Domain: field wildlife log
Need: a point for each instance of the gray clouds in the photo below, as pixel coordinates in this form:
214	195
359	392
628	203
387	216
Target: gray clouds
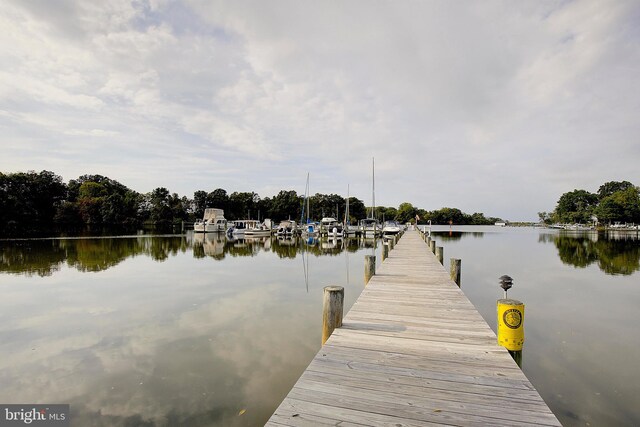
497	107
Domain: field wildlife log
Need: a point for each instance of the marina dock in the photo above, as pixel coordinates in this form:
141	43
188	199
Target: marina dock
413	351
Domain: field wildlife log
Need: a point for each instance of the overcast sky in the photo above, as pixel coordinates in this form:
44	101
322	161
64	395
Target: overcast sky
494	107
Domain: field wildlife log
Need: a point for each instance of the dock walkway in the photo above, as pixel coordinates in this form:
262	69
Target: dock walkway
413	351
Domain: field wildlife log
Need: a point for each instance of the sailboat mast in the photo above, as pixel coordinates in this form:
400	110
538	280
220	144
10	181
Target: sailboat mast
307	195
305	202
373	189
346	211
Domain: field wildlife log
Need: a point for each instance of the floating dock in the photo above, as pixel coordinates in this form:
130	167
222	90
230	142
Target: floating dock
413	351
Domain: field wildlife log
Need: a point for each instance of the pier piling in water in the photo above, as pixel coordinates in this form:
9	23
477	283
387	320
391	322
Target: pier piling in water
440	254
332	308
369	267
456	266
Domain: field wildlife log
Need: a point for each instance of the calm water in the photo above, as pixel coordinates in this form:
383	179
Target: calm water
202	331
582	312
165	330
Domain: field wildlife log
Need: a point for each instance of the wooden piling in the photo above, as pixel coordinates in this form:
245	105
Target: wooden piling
385	251
433	246
369	267
440	254
392	244
456	265
332	307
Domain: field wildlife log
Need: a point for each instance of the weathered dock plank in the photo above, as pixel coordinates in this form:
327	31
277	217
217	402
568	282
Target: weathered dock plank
413	351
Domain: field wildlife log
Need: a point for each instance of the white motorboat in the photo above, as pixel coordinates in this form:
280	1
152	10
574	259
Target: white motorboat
213	221
370	227
390	228
262	229
331	227
286	228
240	226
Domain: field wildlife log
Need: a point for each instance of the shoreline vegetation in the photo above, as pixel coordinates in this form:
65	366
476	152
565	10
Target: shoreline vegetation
615	203
41	204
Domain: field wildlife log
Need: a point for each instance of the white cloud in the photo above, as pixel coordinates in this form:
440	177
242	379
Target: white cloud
454	100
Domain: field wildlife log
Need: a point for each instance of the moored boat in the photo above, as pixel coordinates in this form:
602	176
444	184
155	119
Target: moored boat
213	221
286	228
331	227
262	229
240	226
390	228
370	227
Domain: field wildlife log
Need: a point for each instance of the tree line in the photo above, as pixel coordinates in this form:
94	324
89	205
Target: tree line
615	201
36	202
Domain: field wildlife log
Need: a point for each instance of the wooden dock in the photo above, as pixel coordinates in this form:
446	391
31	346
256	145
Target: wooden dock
413	351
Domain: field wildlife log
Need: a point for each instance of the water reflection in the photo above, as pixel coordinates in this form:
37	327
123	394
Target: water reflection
45	257
158	331
452	236
614	253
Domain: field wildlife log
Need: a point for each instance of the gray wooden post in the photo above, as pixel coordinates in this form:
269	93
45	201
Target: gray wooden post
440	254
332	304
456	265
369	267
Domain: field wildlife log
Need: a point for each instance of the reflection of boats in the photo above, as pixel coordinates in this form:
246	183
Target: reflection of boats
213	221
212	244
286	228
310	240
259	229
287	240
390	228
332	227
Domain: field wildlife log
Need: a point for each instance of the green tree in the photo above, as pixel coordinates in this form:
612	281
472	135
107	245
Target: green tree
387	213
448	215
406	213
28	201
545	217
608	188
99	200
576	206
219	199
199	203
160	209
326	205
242	204
285	205
357	210
622	206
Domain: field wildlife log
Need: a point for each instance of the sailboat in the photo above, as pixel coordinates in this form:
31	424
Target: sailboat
309	229
370	227
349	230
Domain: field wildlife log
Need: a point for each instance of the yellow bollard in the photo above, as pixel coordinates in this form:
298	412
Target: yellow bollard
510	324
